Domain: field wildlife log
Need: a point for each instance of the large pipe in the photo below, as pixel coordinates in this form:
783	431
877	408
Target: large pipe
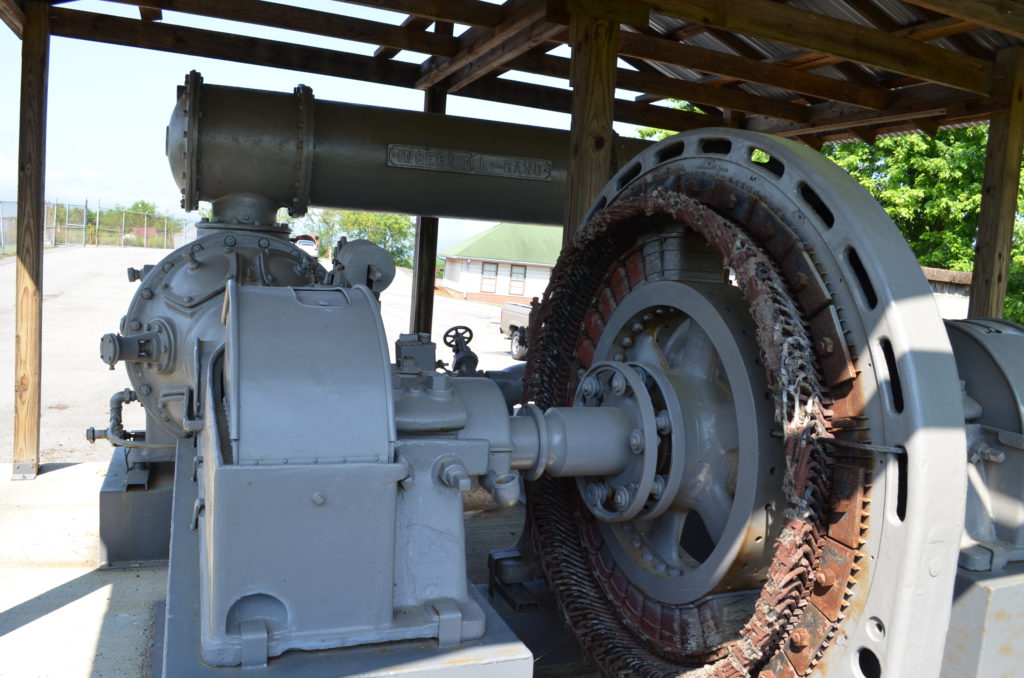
250	152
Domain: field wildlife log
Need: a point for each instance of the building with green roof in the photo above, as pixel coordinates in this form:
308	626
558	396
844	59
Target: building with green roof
509	262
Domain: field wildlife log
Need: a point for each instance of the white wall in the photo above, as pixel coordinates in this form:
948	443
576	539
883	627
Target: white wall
462	279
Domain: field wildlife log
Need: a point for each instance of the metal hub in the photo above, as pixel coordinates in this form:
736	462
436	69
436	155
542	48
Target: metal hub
705	523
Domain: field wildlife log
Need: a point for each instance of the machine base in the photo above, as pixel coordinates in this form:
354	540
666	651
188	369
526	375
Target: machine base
135	513
499	654
984	629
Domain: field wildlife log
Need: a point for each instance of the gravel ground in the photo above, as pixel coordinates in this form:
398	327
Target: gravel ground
85	293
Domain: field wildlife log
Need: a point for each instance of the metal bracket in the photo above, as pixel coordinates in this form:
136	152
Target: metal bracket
449	622
254	643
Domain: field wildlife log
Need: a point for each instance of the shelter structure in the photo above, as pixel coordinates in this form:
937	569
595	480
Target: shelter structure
813	70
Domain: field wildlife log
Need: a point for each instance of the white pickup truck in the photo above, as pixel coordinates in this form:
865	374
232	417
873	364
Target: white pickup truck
515	319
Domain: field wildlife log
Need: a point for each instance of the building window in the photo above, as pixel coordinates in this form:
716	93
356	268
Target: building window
489	277
517	281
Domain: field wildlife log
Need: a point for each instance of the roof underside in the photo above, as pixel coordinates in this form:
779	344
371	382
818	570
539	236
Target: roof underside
816	70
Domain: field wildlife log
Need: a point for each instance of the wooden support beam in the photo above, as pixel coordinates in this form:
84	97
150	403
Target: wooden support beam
999	191
674	88
276	15
537	33
828	35
13	14
517	15
748	70
149	13
939	28
928	126
411	23
811	141
555	99
469	12
1005	16
594	48
28	342
72	23
865	134
421	314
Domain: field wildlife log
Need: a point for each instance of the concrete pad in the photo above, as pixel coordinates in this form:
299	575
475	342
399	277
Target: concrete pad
60	616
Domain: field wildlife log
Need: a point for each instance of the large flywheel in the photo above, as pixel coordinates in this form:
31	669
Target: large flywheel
795	502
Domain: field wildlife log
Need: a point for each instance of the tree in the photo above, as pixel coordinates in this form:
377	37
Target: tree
931	187
394	232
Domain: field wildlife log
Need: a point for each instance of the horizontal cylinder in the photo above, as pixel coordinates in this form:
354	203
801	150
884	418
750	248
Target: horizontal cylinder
250	151
572	441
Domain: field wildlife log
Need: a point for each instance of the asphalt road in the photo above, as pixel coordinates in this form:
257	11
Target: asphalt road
85	293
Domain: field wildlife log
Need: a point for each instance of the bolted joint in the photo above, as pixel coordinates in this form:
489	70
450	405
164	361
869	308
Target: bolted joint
452	473
799	639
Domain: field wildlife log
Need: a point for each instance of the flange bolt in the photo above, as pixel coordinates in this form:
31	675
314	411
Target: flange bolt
621	498
636	441
824	580
596	492
618	384
663	422
591	388
799	639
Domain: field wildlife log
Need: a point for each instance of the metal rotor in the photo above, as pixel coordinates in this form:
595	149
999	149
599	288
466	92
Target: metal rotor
782	332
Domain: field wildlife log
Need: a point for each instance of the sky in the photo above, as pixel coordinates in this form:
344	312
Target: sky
108	107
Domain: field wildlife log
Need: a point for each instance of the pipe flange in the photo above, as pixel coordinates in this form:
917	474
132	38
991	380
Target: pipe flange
190	193
304	166
622	497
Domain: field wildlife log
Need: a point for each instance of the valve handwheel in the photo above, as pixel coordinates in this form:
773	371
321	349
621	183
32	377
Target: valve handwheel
452	336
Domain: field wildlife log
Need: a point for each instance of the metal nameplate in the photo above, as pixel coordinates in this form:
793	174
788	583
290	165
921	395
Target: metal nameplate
466	162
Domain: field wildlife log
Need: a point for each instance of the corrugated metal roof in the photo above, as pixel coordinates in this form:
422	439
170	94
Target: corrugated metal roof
512	242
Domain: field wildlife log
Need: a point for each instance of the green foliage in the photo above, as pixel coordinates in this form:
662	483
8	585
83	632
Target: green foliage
931	187
394	232
656	134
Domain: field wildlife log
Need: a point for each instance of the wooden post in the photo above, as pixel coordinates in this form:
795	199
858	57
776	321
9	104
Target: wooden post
594	47
28	343
999	191
425	253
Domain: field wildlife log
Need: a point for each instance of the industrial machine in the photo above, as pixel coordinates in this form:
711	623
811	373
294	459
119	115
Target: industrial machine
746	440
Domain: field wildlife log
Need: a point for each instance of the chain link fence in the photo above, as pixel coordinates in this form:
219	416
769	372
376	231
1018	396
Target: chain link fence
69	224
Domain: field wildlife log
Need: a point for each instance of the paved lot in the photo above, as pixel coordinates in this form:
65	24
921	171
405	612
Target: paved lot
85	293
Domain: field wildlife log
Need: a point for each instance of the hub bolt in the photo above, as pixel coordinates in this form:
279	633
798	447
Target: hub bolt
618	384
663	422
626	342
621	498
658	488
637	328
591	388
799	639
596	492
636	441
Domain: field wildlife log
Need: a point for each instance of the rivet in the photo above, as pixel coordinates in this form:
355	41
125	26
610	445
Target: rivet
824	346
145	389
264	242
824	580
167	266
637	327
146	293
319	499
135	325
626	342
230	241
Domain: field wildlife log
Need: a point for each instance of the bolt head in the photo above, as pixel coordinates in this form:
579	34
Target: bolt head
824	579
636	441
663	422
318	498
799	639
618	384
626	342
147	293
621	498
591	387
595	493
637	327
824	346
658	488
